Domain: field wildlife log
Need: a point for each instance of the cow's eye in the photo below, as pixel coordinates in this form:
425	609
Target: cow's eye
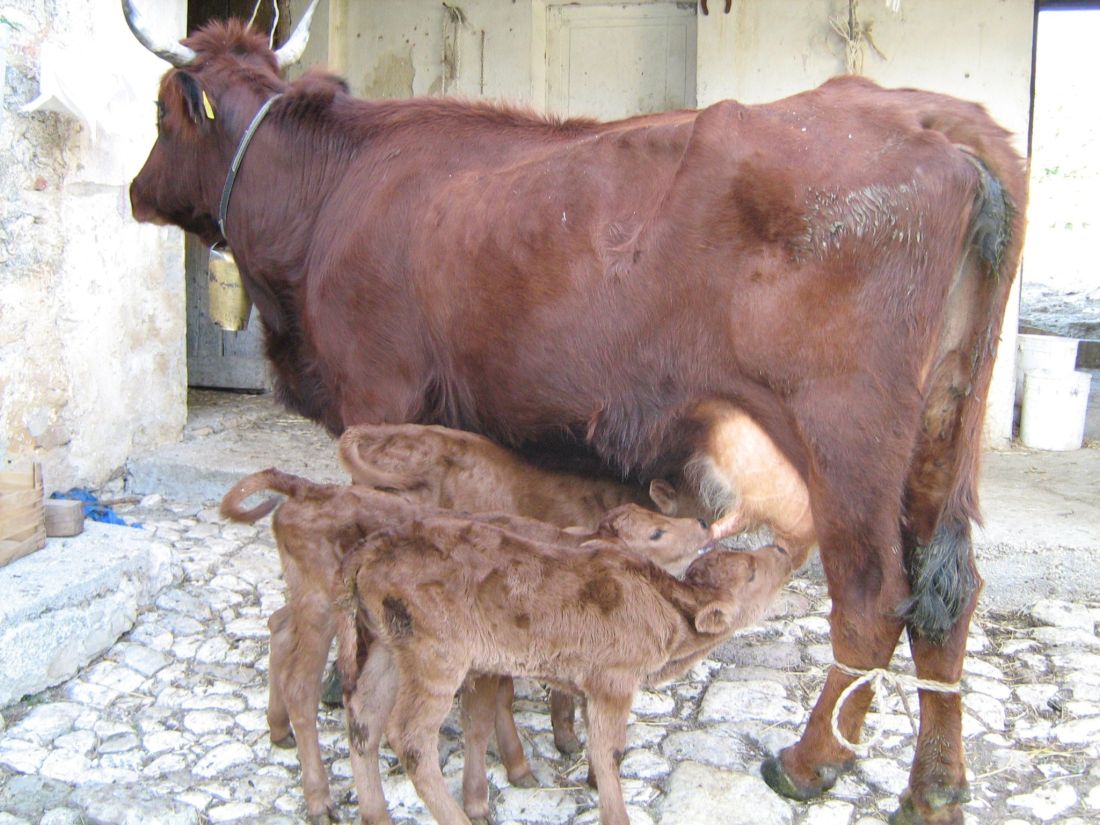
160	112
656	534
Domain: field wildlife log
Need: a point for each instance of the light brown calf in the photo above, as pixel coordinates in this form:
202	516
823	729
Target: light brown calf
316	526
459	470
445	598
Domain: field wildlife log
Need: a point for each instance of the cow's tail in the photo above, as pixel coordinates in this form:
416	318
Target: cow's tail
941	490
364	473
232	506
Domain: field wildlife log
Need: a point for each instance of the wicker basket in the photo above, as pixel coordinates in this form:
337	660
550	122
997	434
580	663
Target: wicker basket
22	513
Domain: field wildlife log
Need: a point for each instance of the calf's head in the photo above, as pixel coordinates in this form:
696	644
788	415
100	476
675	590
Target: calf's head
736	587
672	543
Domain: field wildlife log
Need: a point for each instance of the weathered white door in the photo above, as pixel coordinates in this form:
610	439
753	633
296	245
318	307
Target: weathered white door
615	60
216	358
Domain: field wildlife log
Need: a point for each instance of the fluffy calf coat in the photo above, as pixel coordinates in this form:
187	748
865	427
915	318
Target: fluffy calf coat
314	529
444	597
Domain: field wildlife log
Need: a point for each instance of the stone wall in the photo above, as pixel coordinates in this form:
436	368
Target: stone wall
91	303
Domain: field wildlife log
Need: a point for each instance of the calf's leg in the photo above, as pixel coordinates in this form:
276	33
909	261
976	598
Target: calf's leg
413	732
313	630
478	702
562	713
282	644
607	715
508	741
368	701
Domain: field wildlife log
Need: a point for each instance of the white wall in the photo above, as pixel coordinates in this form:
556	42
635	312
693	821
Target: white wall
91	303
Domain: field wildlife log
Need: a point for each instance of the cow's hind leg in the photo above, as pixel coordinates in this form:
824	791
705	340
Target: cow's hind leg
858	526
937	780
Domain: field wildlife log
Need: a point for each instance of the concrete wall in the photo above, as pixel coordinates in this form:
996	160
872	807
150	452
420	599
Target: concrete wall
91	303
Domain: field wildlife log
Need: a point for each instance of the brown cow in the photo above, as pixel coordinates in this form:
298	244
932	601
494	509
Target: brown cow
441	598
834	265
316	526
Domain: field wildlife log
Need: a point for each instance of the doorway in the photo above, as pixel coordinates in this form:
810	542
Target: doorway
217	359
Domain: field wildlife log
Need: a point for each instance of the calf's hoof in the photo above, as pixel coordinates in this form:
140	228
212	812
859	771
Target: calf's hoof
330	814
285	742
480	820
939	806
780	781
568	744
524	780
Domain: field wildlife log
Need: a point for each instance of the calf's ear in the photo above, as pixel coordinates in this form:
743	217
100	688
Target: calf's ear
715	618
663	495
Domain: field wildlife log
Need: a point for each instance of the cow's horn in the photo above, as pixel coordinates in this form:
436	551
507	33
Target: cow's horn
175	53
291	51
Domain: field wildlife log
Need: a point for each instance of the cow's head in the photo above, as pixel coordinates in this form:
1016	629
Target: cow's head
221	76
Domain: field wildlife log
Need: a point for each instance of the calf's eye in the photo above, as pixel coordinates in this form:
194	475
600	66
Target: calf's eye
656	534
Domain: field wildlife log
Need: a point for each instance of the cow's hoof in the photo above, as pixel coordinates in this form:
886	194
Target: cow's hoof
330	814
941	807
568	744
286	743
785	785
332	692
524	780
480	820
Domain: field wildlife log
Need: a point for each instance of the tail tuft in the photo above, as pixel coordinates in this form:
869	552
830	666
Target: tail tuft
942	582
991	225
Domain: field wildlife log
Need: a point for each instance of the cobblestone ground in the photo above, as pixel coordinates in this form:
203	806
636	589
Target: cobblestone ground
169	727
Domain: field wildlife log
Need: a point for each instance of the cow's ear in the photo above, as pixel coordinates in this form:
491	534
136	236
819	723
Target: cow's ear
192	100
663	495
714	618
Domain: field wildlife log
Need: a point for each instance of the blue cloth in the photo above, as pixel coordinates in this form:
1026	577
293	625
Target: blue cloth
92	508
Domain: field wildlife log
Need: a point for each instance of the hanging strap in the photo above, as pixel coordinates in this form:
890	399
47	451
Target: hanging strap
246	138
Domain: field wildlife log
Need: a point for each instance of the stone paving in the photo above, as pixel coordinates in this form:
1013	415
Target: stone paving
169	726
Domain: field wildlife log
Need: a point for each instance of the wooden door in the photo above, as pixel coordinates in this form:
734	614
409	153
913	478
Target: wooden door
615	60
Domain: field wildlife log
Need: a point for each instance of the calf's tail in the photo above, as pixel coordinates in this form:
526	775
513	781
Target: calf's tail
232	506
364	473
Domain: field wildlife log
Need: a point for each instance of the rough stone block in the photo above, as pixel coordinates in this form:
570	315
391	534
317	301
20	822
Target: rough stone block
69	602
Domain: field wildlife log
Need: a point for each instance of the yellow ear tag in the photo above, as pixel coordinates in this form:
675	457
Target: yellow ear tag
206	105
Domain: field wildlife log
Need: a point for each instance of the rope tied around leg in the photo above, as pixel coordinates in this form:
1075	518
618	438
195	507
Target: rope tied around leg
876	679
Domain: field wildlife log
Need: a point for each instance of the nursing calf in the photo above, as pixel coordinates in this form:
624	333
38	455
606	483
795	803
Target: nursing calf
442	599
318	524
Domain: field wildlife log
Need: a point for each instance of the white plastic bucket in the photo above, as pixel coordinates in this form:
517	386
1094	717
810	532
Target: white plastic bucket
1043	352
1053	412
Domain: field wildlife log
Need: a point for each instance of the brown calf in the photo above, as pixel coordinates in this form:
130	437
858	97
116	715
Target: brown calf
442	598
459	470
316	526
